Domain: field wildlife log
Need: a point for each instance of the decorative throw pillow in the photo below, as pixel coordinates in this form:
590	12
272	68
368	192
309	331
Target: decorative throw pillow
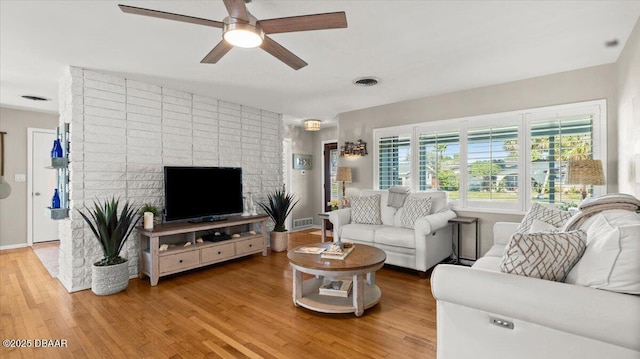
610	261
415	208
366	209
548	214
540	226
543	255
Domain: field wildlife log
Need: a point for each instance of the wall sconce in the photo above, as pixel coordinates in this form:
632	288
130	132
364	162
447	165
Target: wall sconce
312	125
354	149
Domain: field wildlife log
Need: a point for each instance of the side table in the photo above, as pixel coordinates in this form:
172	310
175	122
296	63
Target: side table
324	216
466	220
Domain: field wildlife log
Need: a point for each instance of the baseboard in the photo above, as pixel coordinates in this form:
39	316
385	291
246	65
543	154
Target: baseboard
13	246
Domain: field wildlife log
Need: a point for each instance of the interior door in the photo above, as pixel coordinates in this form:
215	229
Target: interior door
43	181
330	169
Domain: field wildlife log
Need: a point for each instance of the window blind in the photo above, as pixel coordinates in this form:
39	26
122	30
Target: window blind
439	164
492	163
394	161
555	142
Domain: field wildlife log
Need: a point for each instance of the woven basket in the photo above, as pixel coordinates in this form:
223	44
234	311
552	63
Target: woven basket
279	241
106	280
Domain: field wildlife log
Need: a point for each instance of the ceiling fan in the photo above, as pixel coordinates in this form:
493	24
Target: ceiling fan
242	29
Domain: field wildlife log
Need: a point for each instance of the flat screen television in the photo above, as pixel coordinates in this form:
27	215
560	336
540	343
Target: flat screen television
202	193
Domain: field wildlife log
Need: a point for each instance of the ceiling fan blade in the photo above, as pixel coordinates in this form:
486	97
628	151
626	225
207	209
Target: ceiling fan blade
237	9
169	16
332	20
282	54
216	54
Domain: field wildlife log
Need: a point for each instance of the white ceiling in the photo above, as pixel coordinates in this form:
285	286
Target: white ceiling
417	48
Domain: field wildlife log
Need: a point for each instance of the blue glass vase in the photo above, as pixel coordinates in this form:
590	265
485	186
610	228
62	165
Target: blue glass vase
56	151
55	201
58	148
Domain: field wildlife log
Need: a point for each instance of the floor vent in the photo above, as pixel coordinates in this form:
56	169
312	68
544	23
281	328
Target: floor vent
302	222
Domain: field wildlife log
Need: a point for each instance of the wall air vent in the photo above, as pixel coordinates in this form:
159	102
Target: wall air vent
302	222
366	81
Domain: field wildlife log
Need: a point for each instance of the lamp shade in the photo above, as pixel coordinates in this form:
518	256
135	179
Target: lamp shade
344	174
312	125
585	172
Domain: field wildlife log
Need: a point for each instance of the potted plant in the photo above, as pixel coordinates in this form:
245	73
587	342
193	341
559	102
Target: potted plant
147	207
110	275
279	207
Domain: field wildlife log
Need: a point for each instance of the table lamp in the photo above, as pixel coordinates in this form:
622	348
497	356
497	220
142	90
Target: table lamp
344	175
586	173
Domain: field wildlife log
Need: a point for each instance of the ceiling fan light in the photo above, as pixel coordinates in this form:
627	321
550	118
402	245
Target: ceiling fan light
243	35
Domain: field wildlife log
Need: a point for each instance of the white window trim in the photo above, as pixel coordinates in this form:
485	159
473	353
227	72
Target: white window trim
523	119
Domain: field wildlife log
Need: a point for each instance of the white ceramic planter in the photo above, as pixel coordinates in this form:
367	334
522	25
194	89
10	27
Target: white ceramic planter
106	280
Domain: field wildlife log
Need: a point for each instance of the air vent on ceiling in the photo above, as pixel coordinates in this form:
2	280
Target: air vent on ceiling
366	81
611	43
34	98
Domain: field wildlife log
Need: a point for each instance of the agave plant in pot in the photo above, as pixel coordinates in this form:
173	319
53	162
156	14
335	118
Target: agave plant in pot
279	208
110	274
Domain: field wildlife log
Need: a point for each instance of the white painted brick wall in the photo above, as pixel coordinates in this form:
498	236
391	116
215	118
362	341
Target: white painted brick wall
122	134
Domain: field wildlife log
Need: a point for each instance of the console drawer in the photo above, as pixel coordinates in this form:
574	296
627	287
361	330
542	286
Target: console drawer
177	262
214	254
249	245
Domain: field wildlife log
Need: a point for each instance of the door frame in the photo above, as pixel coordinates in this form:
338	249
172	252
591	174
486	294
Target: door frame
30	164
324	156
287	165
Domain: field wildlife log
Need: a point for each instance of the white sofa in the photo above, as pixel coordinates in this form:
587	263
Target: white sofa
550	319
420	248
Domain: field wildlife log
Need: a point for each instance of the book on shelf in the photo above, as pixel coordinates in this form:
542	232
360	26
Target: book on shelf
337	287
310	250
330	254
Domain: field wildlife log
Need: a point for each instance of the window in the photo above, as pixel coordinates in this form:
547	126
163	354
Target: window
555	142
440	162
492	164
498	162
394	161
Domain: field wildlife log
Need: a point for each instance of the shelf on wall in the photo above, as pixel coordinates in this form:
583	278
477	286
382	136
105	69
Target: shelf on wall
57	213
58	162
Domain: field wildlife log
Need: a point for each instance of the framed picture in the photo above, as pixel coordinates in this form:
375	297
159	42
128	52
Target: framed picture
301	162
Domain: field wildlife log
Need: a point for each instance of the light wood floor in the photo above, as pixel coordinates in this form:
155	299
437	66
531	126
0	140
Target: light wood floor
240	309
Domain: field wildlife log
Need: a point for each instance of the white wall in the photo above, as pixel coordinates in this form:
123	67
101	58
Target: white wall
629	114
13	209
122	134
574	86
302	181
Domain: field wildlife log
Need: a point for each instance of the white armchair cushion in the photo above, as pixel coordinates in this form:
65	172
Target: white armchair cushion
366	209
543	255
415	208
610	261
548	214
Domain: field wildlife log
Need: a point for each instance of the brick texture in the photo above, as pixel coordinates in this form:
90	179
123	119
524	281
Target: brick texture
122	133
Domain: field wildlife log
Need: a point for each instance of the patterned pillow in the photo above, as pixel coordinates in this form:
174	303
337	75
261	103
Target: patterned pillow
415	208
543	255
551	215
366	209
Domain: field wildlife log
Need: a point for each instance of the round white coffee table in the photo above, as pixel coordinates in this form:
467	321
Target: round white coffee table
363	262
